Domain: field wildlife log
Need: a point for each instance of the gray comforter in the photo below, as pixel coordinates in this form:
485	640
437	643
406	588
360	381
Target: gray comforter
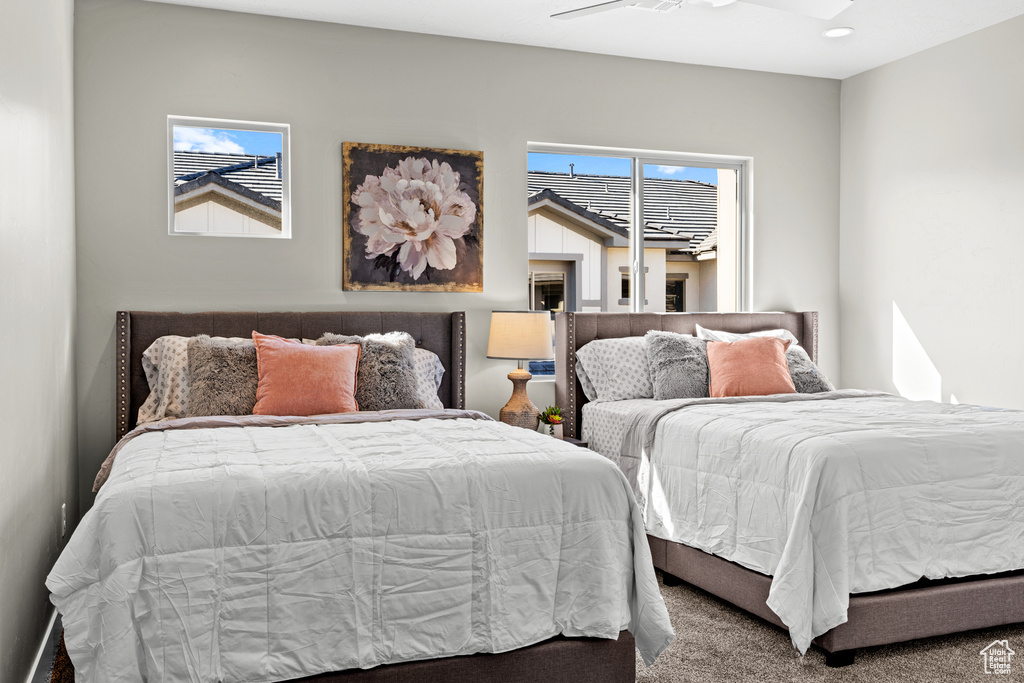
265	549
832	494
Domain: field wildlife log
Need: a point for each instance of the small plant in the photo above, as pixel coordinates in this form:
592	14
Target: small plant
552	415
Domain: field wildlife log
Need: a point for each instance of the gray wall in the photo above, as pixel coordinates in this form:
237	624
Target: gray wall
137	62
933	218
38	466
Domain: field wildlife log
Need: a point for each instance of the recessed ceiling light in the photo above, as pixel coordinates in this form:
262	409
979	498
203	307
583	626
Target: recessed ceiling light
838	32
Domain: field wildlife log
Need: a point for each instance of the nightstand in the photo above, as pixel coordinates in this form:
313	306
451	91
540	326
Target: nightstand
575	442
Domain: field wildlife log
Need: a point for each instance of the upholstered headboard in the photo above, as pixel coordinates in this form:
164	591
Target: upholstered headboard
573	330
442	333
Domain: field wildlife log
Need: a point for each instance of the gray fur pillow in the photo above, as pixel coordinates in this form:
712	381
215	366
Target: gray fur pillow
807	378
679	365
222	376
387	374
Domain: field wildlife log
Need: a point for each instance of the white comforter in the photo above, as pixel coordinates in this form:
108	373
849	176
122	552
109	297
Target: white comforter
255	553
833	494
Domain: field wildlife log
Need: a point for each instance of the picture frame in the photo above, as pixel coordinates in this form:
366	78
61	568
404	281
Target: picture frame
228	178
412	218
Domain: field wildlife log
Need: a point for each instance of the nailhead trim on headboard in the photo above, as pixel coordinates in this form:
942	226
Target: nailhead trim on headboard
122	373
571	371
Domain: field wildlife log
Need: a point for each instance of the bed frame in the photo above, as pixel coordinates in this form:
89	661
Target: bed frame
559	659
919	610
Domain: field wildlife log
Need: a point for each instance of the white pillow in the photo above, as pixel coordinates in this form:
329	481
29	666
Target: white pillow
617	368
429	372
717	335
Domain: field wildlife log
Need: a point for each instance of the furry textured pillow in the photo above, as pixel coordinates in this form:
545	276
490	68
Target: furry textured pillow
679	365
387	378
807	377
222	376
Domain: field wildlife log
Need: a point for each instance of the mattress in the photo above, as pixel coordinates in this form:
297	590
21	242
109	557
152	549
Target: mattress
832	494
268	549
605	423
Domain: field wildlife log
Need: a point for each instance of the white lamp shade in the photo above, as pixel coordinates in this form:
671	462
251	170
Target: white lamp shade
520	335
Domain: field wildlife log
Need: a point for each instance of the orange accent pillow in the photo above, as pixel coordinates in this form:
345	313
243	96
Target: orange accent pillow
300	379
749	367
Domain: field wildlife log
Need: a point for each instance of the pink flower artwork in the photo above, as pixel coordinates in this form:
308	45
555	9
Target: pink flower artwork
414	221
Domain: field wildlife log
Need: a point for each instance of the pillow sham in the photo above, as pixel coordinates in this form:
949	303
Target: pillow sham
429	371
589	390
300	379
386	377
617	368
749	367
718	335
222	376
807	377
165	363
678	365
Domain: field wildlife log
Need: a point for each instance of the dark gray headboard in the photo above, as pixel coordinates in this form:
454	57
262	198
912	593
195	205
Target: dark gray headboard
442	333
573	330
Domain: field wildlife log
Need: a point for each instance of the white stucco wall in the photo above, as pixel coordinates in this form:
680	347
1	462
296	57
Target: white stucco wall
38	465
932	218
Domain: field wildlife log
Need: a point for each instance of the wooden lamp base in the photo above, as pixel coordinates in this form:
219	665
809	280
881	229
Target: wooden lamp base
520	411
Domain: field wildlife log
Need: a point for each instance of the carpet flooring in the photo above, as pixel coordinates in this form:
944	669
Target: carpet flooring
718	642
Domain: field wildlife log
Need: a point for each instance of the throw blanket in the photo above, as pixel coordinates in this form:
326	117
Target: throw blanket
835	493
258	553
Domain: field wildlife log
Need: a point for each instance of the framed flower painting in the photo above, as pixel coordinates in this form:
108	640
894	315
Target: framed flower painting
413	218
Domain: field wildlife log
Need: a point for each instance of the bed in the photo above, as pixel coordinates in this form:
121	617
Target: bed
910	607
213	553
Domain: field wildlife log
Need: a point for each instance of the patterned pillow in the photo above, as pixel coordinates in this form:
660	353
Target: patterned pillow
617	367
429	372
386	377
679	365
589	390
717	335
222	376
807	377
165	363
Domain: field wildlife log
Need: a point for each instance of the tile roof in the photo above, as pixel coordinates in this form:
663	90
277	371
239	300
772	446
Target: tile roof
258	174
673	209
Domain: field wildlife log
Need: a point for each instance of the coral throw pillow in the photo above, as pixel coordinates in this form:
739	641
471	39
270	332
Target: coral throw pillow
299	379
750	367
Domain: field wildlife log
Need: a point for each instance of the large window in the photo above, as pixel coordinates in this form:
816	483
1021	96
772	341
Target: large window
609	215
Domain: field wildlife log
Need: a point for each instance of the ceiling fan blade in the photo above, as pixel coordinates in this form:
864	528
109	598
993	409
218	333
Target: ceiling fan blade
819	9
593	9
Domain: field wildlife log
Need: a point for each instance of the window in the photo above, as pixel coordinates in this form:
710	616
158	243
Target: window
547	291
228	178
675	293
584	204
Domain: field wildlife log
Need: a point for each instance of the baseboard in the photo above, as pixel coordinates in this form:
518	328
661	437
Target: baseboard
47	649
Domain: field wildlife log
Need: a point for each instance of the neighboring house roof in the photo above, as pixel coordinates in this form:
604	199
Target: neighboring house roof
710	243
257	173
211	187
673	209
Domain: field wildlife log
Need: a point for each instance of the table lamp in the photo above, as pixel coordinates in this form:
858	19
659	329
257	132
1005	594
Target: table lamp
520	336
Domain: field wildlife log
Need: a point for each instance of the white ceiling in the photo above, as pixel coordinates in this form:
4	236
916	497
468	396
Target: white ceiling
740	35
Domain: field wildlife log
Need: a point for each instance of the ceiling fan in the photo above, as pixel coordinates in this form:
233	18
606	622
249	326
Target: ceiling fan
819	9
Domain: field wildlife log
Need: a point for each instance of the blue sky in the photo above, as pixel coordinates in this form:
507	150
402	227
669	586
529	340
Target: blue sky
559	163
225	141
